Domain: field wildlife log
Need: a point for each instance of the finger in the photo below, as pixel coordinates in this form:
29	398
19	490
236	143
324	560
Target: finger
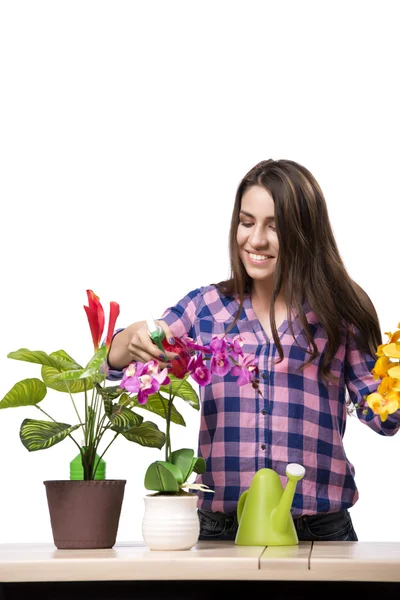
144	357
144	353
169	336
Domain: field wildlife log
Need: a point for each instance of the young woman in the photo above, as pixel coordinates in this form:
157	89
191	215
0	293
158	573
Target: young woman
314	332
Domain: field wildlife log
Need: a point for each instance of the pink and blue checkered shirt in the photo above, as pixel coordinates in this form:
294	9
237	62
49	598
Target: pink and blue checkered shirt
302	419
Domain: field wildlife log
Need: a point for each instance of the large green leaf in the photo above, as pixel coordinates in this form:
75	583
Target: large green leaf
91	369
39	435
183	460
163	477
182	389
65	359
124	419
157	405
36	356
50	375
27	392
146	434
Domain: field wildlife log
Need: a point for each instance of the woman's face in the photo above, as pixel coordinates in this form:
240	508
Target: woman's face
256	235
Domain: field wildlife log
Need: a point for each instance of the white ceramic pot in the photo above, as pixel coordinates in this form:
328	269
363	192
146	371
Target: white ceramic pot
170	522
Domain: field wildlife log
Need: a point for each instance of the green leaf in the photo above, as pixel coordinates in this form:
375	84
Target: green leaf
157	404
97	360
112	391
91	369
146	434
39	435
108	407
65	359
183	460
51	378
198	465
182	389
35	356
162	477
27	392
124	419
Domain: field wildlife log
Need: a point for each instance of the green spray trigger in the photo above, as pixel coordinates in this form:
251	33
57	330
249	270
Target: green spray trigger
156	333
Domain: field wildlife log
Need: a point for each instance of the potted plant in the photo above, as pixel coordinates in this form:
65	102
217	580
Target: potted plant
84	512
170	519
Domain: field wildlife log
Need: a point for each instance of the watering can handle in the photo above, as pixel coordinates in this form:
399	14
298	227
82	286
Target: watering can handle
241	504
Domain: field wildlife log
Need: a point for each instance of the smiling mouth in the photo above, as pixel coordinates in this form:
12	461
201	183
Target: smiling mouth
259	257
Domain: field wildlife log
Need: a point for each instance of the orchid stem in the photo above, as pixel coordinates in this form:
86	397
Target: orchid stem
168	417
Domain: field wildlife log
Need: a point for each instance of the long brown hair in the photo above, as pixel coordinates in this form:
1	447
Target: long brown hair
309	265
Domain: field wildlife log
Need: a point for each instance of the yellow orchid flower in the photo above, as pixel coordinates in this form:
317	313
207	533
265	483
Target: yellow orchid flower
382	406
381	367
394	372
386	385
379	351
392	350
396	385
392	395
393	338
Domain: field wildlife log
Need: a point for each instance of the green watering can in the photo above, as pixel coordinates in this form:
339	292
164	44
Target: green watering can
263	510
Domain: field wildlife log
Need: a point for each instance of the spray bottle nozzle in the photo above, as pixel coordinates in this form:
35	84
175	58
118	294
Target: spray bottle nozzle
156	333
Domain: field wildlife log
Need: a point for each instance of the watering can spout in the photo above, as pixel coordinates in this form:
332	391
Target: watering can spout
281	513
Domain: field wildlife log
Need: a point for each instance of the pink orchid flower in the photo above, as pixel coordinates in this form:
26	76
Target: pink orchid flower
193	346
198	370
246	369
235	347
144	379
220	360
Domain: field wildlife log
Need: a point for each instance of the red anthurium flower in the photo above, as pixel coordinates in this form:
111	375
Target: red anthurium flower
95	315
114	312
179	366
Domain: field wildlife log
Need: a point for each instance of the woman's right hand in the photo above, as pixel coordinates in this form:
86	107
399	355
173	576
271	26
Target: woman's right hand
134	344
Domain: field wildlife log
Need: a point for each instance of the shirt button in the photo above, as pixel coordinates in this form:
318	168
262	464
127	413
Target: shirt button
263	412
264	375
263	446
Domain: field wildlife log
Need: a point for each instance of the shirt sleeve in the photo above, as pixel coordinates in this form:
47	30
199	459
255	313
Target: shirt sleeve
181	317
360	382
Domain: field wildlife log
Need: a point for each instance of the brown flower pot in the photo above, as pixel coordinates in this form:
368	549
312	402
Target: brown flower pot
85	514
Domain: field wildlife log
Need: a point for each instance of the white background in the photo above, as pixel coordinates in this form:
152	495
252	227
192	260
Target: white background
125	130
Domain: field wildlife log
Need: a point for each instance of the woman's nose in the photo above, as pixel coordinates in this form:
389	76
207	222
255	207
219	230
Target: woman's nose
258	238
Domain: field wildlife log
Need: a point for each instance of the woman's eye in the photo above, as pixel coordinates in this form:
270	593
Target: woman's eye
272	227
246	224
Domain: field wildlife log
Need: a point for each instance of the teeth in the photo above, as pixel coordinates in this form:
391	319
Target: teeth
257	256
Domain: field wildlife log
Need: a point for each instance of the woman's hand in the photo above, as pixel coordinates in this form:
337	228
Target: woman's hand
134	344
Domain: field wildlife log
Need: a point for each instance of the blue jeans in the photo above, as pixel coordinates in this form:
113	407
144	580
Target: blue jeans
318	528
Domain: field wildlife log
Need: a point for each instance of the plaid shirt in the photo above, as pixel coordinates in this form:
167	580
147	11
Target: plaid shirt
302	419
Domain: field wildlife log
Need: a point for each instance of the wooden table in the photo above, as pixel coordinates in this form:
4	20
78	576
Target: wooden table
131	570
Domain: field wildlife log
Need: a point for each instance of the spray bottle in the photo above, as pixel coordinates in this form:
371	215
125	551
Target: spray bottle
157	335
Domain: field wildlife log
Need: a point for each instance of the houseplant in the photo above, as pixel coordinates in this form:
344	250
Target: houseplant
101	412
386	400
170	520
